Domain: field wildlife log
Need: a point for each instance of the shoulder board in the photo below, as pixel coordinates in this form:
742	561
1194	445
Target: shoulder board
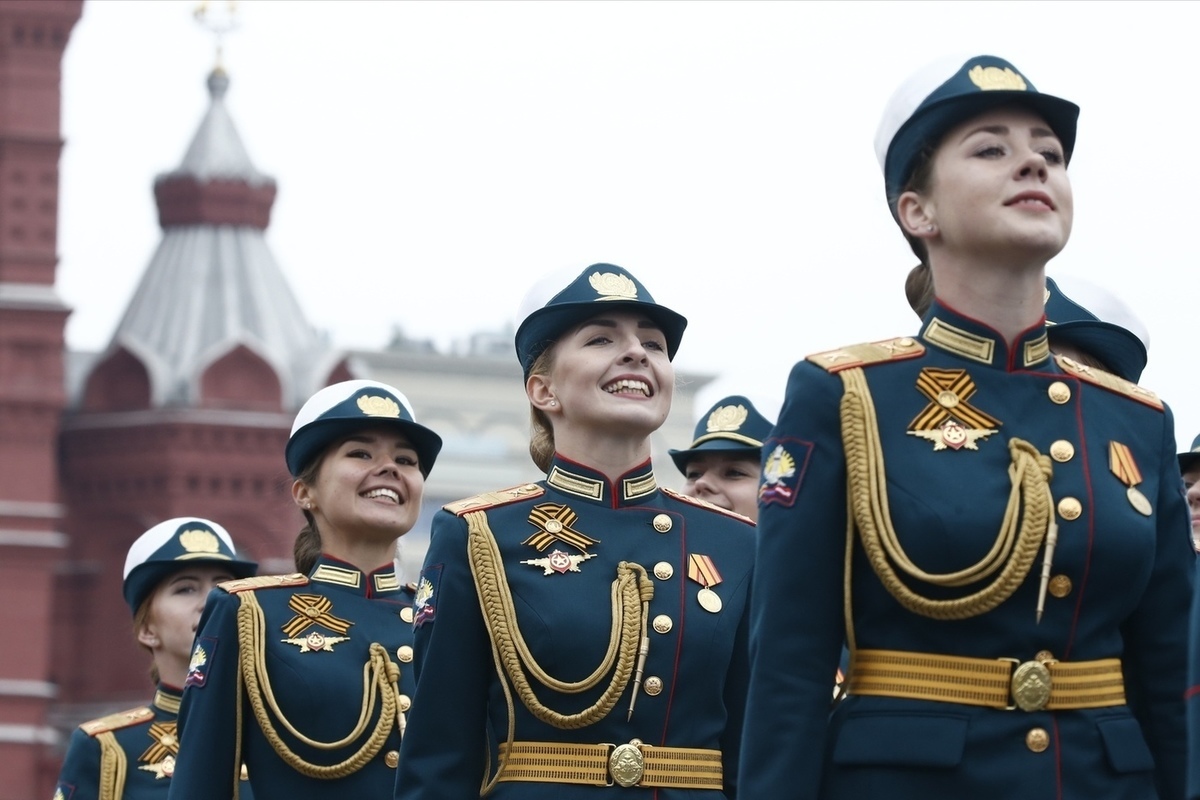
114	722
696	501
487	500
264	582
1109	381
864	355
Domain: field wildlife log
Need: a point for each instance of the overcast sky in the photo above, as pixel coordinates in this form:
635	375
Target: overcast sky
434	158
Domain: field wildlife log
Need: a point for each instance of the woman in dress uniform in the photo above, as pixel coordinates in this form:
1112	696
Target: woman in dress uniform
724	461
169	570
997	533
307	677
1189	469
583	636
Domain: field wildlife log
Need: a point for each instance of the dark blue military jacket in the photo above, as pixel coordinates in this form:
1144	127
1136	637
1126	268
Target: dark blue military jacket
1120	587
560	542
315	635
141	744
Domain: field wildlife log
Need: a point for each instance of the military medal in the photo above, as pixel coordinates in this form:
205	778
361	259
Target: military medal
554	524
1121	464
703	571
949	421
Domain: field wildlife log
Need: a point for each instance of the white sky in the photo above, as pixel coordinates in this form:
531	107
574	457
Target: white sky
434	158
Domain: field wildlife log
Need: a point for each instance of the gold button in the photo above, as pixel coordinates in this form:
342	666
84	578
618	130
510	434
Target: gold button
1037	740
906	342
1062	451
406	615
663	523
1060	586
1044	656
392	759
653	685
404	654
662	624
404	701
947	399
663	571
1059	392
1069	508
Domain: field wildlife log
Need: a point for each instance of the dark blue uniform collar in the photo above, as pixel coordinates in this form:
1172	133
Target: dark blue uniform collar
575	479
331	571
946	329
167	699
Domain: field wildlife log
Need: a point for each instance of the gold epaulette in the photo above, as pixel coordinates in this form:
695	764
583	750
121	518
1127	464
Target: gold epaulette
492	499
696	501
264	582
114	722
863	355
1109	381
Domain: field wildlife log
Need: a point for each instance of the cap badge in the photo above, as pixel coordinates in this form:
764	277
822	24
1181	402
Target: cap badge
375	406
949	421
992	78
611	286
198	540
1121	464
727	418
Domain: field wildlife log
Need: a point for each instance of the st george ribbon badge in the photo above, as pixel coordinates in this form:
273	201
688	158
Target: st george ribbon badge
949	421
703	571
1121	464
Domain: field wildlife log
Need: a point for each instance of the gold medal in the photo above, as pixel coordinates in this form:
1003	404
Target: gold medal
710	601
1139	501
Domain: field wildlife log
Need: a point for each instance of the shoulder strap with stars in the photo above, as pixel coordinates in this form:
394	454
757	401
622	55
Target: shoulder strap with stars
696	501
481	502
1109	381
114	722
264	582
864	355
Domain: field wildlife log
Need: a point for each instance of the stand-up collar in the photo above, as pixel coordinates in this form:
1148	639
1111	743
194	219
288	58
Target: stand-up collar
167	699
946	329
334	572
574	479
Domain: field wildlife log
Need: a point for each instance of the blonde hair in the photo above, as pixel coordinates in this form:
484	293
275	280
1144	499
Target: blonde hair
141	618
541	432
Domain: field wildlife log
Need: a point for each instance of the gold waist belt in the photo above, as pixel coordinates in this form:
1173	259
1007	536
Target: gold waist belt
632	764
995	683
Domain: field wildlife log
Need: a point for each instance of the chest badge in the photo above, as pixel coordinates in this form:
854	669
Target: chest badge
949	421
313	610
559	562
554	522
1121	464
316	641
159	757
703	571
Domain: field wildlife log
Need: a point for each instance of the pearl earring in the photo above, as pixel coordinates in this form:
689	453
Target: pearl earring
553	402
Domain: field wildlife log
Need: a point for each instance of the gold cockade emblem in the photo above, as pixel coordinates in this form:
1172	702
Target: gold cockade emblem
375	406
993	78
611	286
200	541
727	418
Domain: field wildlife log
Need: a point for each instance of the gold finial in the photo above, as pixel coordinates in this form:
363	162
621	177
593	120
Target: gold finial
218	23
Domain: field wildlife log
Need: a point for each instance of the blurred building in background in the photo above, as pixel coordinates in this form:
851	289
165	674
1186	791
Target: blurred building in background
186	411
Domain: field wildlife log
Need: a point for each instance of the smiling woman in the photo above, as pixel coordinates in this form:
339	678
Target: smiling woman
588	629
306	677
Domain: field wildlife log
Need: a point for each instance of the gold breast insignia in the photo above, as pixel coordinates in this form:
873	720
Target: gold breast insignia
948	420
559	562
316	641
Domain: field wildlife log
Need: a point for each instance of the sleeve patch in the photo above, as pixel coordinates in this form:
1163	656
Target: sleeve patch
206	647
783	470
425	601
64	791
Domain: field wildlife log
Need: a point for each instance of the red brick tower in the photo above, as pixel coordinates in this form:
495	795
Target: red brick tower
33	35
186	411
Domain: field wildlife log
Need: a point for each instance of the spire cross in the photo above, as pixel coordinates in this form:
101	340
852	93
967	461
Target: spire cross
218	22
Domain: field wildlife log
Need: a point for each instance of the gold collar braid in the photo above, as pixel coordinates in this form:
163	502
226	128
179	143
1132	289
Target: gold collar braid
380	678
1011	555
632	591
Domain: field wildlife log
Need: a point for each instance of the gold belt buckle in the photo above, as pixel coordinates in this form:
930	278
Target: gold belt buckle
1029	685
626	764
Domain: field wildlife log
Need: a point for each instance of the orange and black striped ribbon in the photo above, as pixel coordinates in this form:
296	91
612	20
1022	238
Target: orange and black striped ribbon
1121	463
931	383
313	609
166	743
703	571
560	518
